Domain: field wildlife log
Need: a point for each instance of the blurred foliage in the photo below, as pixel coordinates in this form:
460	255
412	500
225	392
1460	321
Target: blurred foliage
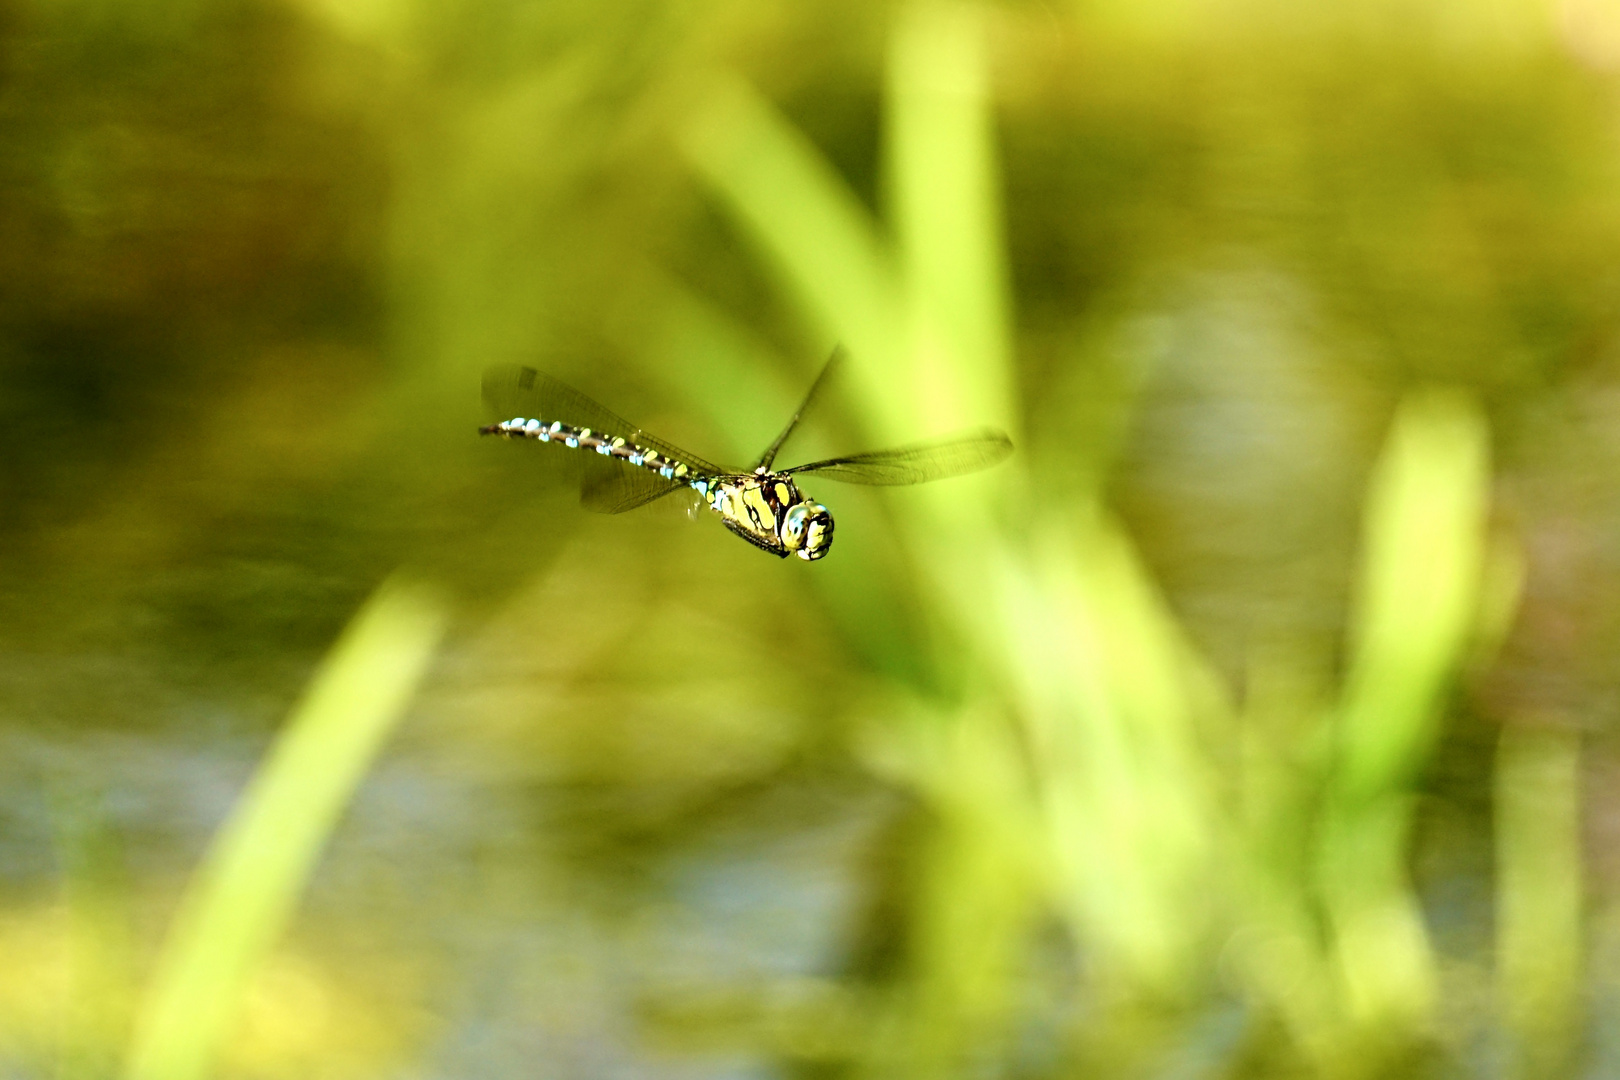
250	880
1252	721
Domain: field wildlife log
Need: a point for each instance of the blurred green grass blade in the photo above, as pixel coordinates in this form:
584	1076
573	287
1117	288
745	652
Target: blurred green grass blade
1420	586
1417	605
975	897
828	252
1108	684
946	210
1539	883
1386	964
810	225
246	888
954	372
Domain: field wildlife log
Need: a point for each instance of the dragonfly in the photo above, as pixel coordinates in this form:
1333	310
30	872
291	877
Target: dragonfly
763	505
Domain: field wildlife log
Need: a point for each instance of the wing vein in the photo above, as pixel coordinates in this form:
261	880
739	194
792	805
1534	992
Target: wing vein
917	463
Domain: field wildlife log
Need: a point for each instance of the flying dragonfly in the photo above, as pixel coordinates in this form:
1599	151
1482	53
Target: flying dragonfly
764	505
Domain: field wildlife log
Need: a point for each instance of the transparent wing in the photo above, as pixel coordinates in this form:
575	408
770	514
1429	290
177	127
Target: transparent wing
606	485
511	391
916	464
613	487
769	456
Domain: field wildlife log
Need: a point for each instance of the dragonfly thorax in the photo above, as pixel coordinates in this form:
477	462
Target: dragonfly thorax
769	511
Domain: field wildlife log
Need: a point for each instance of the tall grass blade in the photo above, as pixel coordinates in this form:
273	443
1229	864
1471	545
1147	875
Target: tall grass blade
245	890
946	208
811	227
1424	544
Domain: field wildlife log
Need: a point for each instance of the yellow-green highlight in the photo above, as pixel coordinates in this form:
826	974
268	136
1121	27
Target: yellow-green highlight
946	202
1111	695
1419	594
243	894
1417	606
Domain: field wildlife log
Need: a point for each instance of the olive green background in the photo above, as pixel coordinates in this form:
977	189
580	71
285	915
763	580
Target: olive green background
1255	720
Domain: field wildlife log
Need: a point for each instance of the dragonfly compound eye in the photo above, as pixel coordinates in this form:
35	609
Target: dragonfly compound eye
807	530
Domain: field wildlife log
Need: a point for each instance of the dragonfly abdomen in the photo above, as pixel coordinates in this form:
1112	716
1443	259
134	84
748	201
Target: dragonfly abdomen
584	438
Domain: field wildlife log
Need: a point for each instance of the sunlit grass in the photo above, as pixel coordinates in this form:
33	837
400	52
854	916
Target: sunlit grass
248	884
1419	598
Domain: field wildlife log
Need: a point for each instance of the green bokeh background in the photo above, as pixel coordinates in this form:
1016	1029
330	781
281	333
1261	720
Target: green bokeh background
1255	720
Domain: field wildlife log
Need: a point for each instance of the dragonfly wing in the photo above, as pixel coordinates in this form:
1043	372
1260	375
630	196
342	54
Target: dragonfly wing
512	391
915	464
766	459
613	488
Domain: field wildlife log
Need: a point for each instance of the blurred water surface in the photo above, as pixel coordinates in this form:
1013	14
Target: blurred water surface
1255	720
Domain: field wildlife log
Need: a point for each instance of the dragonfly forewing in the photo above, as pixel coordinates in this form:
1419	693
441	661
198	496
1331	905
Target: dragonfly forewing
915	464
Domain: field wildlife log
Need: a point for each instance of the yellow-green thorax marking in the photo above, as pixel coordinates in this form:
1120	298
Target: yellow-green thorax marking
769	511
765	508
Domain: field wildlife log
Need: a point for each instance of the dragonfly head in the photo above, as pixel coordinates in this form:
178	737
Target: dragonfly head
807	530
